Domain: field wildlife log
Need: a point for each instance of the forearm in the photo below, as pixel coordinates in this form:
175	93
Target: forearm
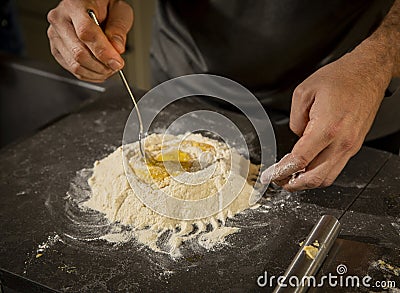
383	46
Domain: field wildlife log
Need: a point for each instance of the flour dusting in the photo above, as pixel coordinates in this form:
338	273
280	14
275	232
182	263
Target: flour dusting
187	167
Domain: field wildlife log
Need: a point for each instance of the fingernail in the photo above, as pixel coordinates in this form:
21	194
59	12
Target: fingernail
114	65
119	42
266	176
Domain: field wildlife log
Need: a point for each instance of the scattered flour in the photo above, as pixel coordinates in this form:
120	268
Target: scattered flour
200	169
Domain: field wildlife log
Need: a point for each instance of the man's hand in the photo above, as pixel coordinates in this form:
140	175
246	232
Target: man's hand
332	111
80	46
334	108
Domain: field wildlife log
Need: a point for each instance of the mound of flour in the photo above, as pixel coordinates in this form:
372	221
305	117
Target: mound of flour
201	158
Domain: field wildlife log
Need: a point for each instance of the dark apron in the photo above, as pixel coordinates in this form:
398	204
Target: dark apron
267	46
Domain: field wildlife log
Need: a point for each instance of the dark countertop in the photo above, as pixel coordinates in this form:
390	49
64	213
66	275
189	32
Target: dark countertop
29	104
37	173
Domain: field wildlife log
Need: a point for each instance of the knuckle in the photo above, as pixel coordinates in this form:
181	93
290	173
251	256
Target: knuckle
75	68
331	132
54	51
78	53
52	16
50	32
301	161
298	92
100	52
294	127
314	181
347	144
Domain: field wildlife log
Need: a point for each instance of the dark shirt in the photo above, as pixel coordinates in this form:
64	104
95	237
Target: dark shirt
268	46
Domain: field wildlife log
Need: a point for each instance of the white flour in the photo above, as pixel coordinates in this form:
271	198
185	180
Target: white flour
208	170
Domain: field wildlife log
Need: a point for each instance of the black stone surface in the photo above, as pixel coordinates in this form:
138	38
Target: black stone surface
28	104
36	174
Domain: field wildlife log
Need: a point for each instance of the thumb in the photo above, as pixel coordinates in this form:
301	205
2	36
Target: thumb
119	22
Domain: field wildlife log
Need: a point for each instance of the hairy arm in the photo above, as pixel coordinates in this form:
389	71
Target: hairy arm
384	43
334	108
381	50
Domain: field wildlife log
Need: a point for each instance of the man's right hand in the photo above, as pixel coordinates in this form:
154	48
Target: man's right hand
80	46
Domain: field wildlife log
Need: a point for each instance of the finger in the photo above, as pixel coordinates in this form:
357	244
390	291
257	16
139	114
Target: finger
282	182
326	167
81	54
57	55
62	62
321	172
93	37
315	139
280	171
119	22
82	75
67	62
302	101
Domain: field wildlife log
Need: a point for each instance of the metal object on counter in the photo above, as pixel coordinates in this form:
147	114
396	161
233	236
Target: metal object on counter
322	237
142	135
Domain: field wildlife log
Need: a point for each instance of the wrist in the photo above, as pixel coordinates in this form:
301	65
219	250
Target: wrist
376	61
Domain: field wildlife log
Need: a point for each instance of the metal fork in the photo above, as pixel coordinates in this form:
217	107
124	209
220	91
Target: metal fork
142	135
